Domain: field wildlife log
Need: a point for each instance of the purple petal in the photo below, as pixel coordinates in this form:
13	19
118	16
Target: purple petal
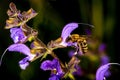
56	64
51	65
17	35
47	65
101	72
20	48
68	29
24	63
54	77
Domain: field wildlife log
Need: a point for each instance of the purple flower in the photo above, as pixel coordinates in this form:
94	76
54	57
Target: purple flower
67	31
103	71
24	63
54	77
25	50
54	66
17	35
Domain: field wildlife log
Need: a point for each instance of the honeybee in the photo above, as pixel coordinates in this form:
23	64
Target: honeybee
81	42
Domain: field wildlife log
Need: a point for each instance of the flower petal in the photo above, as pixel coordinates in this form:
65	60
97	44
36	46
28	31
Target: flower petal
20	48
56	64
50	65
24	63
47	65
100	74
54	77
17	35
68	29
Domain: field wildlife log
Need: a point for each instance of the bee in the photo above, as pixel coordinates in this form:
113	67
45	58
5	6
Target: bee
81	42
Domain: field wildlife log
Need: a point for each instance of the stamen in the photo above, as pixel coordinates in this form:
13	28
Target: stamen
87	24
3	56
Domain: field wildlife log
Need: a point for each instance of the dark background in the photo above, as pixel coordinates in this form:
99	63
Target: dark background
52	17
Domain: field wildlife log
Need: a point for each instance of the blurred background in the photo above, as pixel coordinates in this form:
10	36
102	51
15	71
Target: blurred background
52	16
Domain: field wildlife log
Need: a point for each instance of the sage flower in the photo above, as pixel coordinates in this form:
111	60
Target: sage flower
54	77
103	70
54	66
62	41
67	31
17	35
22	48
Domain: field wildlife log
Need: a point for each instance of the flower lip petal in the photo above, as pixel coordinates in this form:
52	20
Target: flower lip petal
24	63
54	77
68	29
100	74
47	65
23	66
51	65
20	48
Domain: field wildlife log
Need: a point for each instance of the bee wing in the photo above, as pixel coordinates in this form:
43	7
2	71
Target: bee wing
84	29
79	51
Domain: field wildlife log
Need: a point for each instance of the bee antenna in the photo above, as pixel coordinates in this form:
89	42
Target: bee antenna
3	56
87	24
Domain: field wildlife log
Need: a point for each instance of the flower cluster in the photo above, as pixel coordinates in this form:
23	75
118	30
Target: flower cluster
20	33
